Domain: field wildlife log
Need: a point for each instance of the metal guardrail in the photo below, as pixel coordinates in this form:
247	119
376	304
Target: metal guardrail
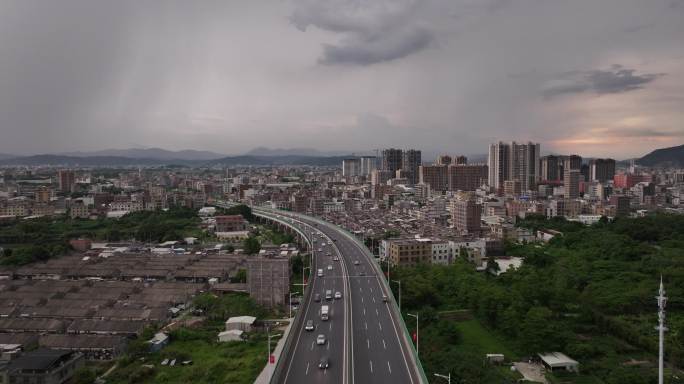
298	320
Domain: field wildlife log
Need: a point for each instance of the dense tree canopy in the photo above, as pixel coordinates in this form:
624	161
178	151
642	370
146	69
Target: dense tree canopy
589	292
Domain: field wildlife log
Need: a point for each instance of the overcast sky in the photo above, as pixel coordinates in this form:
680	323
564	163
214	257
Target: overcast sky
595	77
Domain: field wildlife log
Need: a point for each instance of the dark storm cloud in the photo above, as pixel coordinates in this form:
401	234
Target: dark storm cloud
615	80
365	52
373	32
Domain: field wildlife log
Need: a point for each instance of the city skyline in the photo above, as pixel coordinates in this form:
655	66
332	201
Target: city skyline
601	81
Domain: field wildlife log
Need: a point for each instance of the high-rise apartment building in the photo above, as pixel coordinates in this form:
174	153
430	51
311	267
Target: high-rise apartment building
514	162
550	168
392	159
435	176
499	165
411	161
466	177
572	162
443	160
622	205
525	164
368	165
602	170
351	167
67	181
466	215
571	183
380	177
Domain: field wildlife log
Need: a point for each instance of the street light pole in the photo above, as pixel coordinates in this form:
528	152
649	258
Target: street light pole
291	293
398	282
445	377
268	330
304	269
417	335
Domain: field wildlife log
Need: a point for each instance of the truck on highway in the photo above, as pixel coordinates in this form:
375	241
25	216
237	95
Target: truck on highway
325	312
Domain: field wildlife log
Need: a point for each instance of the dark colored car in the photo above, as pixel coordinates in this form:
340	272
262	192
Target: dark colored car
323	363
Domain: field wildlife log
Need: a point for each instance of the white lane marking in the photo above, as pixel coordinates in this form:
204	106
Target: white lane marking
360	289
373	298
364	311
327	345
390	368
365	325
362	299
371	365
312	343
330	326
307	368
380	325
371	288
368	343
376	312
383	344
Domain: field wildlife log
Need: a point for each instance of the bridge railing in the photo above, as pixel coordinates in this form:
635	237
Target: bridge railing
298	321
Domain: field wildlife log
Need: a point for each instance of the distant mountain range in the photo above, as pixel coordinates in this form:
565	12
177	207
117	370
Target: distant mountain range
310	152
278	160
120	161
157	157
664	157
90	161
673	156
149	153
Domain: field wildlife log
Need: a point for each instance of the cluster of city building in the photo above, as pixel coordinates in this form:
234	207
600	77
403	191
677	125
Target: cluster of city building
393	194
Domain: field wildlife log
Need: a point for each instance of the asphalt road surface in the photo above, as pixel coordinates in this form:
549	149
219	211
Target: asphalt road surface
376	349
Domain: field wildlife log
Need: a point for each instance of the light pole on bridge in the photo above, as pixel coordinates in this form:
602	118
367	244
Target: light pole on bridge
417	335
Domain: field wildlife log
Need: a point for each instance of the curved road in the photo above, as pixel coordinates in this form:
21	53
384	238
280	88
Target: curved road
363	332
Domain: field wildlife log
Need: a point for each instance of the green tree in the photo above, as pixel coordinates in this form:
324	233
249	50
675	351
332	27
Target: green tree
240	276
251	245
540	331
492	266
84	375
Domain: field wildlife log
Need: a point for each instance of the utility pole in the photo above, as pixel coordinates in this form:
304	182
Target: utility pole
662	301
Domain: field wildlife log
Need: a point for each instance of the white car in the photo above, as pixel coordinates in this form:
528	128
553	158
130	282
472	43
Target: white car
356	262
329	267
336	258
338	295
309	325
320	340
